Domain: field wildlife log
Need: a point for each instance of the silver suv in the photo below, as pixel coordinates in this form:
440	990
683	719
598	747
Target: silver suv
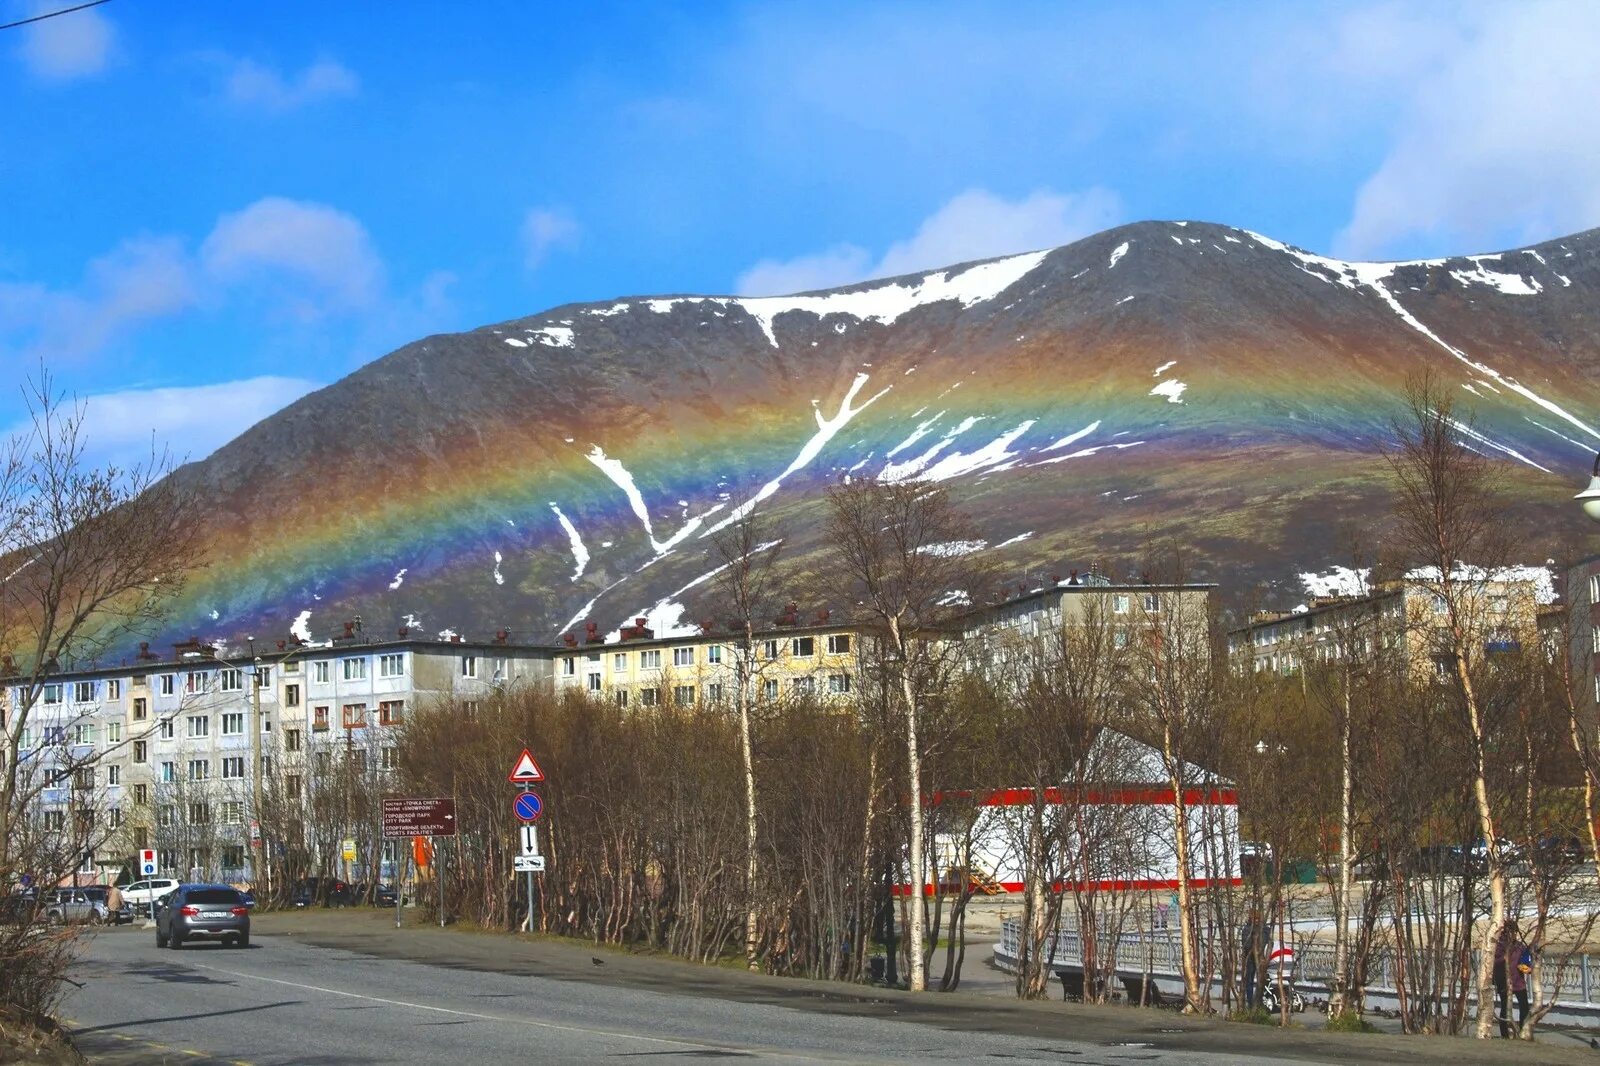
202	912
74	905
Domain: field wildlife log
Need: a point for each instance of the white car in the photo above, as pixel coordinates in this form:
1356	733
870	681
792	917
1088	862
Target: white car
141	894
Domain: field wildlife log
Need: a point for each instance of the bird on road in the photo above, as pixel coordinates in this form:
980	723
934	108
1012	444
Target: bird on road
597	962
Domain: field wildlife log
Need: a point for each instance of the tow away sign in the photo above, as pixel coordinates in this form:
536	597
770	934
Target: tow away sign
526	771
528	864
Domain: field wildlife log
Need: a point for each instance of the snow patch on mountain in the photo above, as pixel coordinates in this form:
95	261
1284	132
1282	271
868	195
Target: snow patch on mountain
1172	389
399	578
553	336
580	553
1117	253
1510	284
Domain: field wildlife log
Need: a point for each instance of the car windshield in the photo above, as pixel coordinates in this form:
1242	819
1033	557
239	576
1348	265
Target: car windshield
213	895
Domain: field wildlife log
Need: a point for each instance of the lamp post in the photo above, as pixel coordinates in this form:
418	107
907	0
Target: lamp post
1589	498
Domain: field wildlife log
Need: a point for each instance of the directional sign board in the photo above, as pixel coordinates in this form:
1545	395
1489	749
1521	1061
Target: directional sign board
147	862
528	864
526	771
528	806
405	816
530	840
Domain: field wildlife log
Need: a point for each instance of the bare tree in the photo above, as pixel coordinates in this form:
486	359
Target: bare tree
1450	520
899	548
746	583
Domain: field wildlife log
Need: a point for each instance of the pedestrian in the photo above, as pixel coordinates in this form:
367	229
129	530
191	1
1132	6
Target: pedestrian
114	903
1513	962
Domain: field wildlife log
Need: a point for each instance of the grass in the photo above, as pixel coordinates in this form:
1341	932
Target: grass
1350	1022
1256	1015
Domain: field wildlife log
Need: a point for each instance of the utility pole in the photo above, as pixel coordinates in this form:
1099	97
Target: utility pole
258	841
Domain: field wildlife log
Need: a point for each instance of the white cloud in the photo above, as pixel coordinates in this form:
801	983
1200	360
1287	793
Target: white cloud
1493	141
141	279
253	84
977	224
326	250
74	45
545	229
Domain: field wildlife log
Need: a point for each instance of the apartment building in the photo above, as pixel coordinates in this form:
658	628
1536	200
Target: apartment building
163	752
1130	609
1583	631
795	657
1402	619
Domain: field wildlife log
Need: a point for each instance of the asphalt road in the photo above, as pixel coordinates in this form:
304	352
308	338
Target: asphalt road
289	1000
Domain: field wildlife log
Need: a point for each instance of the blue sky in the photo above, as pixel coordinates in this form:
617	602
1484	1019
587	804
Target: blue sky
210	209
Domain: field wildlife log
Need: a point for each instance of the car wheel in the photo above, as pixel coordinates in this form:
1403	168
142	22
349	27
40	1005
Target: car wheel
161	941
175	942
95	919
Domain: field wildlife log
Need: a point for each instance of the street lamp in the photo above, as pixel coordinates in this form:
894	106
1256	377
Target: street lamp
1589	498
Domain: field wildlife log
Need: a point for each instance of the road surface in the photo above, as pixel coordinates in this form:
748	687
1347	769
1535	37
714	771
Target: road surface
289	1000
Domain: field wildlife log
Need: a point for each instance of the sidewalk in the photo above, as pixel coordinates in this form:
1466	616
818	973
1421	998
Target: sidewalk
372	933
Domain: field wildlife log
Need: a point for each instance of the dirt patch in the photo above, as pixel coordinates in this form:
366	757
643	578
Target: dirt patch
45	1044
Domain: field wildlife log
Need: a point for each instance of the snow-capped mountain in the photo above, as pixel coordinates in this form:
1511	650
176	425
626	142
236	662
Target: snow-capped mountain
1158	380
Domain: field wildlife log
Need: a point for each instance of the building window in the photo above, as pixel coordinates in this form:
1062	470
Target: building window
622	698
769	649
358	759
291	667
594	683
714	654
1594	590
469	666
469	710
51	695
393	665
649	697
388	758
355	715
355	669
839	644
291	740
114	689
233	723
319	718
167	729
233	767
199	769
683	695
1119	639
805	647
769	689
682	656
199	726
714	692
141	751
83	777
232	814
1152	602
197	682
619	662
113	732
291	695
263	676
838	684
569	666
141	794
232	679
141	708
319	672
650	660
55	821
1121	603
200	813
391	712
83	733
114	817
169	684
83	692
232	856
804	686
113	774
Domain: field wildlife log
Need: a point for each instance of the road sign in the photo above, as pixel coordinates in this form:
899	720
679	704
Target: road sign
530	840
405	816
528	806
255	832
528	864
348	849
526	771
147	862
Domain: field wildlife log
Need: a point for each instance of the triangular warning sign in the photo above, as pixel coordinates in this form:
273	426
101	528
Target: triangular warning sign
526	772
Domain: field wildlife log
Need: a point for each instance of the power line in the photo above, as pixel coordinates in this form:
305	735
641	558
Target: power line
52	14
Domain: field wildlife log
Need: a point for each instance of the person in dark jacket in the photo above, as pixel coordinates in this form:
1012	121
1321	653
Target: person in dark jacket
1513	963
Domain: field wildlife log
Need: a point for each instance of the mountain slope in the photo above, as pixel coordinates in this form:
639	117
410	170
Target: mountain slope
1158	380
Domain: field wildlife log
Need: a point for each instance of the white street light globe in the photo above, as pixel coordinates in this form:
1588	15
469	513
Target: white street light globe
1589	498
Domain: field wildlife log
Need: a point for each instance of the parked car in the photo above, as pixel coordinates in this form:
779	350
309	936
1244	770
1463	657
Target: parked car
141	894
378	895
75	906
323	891
19	908
102	894
203	912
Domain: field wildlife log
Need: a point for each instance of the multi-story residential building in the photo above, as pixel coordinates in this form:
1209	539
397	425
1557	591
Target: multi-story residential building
1583	632
792	658
1127	609
1402	619
174	753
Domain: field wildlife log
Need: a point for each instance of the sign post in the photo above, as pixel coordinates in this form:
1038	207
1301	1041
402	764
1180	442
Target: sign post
147	868
410	816
528	807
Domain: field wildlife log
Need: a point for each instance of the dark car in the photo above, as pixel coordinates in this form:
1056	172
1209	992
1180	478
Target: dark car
19	908
324	891
203	912
378	895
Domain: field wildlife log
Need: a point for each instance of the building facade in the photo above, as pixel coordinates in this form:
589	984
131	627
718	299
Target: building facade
1583	632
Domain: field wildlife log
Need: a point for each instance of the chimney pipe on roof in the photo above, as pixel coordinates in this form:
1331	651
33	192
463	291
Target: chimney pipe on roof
569	640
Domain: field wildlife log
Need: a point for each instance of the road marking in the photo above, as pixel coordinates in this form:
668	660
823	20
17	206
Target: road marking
698	1045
